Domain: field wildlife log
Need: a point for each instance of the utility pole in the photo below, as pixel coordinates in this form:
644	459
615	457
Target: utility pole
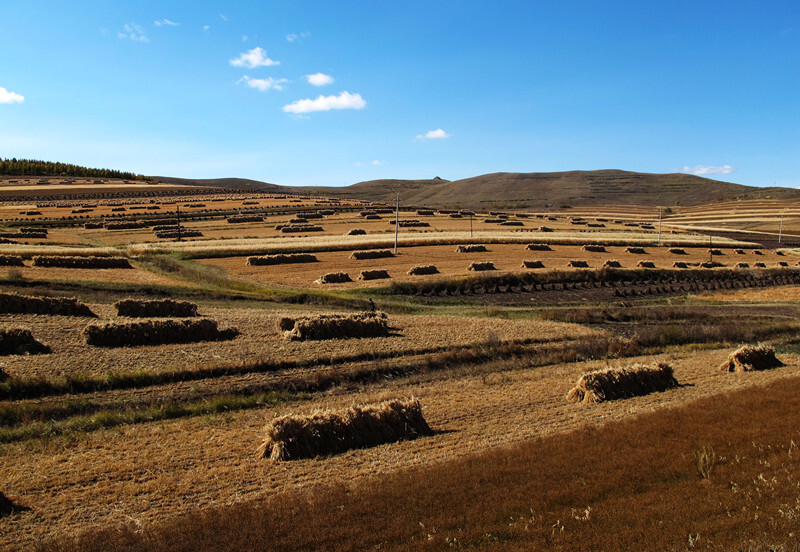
396	223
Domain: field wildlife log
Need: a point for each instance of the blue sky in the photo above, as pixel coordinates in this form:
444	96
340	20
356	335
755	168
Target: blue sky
300	92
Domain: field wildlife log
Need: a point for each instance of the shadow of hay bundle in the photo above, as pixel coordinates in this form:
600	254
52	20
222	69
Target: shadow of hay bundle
377	274
58	261
11	303
332	432
612	264
622	383
335	326
20	342
162	308
471	249
423	270
334	278
371	254
532	264
677	251
488	265
636	250
156	332
646	264
578	264
357	232
594	248
11	260
7	506
268	260
538	247
748	358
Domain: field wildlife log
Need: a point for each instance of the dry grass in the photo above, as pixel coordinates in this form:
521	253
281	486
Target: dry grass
329	432
751	357
594	248
622	383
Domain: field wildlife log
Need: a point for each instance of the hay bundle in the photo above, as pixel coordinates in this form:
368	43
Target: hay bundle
760	265
715	252
377	274
156	332
488	265
412	224
742	265
783	263
622	383
679	264
93	225
310	216
372	217
11	303
493	220
456	215
612	264
127	225
80	262
646	264
11	260
371	254
368	213
636	250
326	212
545	229
356	232
578	264
739	251
757	252
677	251
532	264
298	220
331	432
334	278
711	264
20	342
281	258
162	308
183	233
595	225
23	235
423	270
512	223
239	219
538	247
471	249
32	230
594	248
425	212
748	358
296	228
335	326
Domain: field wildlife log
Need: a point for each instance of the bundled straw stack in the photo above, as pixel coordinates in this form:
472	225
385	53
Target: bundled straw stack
749	358
622	383
11	303
332	432
290	258
335	326
20	342
162	308
471	249
423	270
156	332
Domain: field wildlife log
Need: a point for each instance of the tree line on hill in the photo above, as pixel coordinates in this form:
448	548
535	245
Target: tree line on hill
33	167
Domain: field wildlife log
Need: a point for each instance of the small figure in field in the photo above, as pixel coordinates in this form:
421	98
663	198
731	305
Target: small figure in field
371	305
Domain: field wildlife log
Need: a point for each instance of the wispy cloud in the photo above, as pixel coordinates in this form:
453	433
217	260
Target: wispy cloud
134	32
294	37
437	134
264	84
8	97
345	100
319	79
206	27
703	170
257	57
374	163
223	17
165	21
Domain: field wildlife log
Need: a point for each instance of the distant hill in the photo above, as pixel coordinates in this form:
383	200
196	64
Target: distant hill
556	190
233	183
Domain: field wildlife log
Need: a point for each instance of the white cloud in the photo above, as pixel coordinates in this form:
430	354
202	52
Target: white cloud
437	134
345	100
376	163
293	37
703	170
165	21
319	79
133	32
257	57
8	97
264	84
206	27
244	38
223	17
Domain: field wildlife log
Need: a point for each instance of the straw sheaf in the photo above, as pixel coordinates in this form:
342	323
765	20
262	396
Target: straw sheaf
621	383
488	265
377	274
163	308
80	262
471	249
538	247
290	258
636	250
329	432
334	278
594	248
11	260
646	264
17	341
335	326
372	254
156	332
748	358
532	264
423	270
11	303
612	264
